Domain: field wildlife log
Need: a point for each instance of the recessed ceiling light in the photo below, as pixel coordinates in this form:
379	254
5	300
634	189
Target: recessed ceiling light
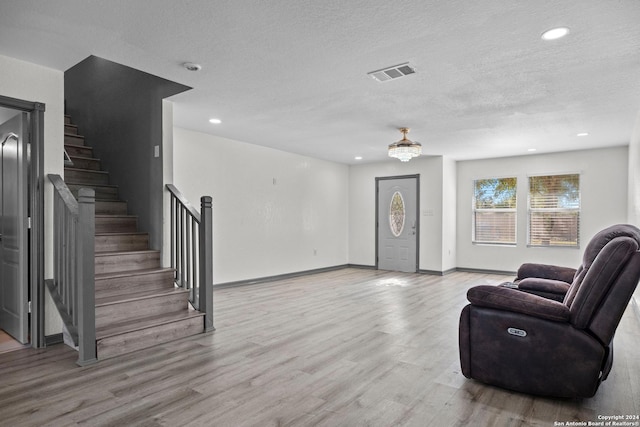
358	157
215	121
192	66
555	33
531	149
583	134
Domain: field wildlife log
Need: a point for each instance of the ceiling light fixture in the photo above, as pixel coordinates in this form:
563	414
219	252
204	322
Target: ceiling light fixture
405	150
583	134
555	33
215	121
358	157
531	149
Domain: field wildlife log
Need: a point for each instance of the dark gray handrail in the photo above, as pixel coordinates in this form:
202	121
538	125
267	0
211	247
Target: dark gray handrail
73	285
65	194
191	251
183	200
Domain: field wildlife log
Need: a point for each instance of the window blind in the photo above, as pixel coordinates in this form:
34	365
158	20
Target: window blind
554	210
494	211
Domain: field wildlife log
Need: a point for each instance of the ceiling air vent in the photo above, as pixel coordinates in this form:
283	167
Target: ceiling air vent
391	73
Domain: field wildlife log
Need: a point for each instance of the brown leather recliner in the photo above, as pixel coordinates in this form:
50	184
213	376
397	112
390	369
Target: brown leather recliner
530	343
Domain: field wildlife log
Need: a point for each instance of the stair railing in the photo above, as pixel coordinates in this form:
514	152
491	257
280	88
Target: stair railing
73	285
192	251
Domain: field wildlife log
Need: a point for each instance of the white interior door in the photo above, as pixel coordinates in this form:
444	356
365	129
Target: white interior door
398	224
14	229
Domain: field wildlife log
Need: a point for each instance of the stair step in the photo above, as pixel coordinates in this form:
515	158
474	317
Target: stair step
111	284
85	163
70	129
86	176
139	305
110	242
111	262
111	207
116	224
71	139
104	192
67	119
123	337
78	151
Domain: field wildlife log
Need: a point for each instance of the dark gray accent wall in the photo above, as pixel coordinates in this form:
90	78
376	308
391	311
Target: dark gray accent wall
119	111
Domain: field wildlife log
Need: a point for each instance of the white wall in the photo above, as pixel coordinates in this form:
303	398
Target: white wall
449	214
634	185
30	82
362	205
603	190
271	209
167	174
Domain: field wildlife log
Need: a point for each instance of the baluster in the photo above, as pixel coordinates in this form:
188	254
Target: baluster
194	258
187	263
182	231
173	235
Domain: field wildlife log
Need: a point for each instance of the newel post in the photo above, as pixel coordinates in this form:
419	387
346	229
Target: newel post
86	277
206	262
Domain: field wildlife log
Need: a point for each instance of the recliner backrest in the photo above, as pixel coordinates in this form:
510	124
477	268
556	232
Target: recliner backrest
606	256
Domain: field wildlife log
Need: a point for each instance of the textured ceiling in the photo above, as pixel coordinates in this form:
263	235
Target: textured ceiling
293	74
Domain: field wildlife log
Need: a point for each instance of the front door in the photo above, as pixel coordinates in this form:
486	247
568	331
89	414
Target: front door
14	229
397	223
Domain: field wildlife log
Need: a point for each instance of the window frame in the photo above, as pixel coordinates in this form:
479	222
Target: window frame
531	210
475	210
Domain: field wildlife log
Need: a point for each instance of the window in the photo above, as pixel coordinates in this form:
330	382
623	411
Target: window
494	211
554	210
396	214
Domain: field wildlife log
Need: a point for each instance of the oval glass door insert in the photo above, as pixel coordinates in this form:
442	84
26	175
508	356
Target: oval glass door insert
396	214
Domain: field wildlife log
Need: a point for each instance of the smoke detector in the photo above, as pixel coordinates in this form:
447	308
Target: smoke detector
192	66
392	73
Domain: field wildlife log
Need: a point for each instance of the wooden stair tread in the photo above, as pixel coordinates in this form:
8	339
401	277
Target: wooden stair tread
72	169
138	296
84	158
122	233
119	274
111	253
110	201
73	134
91	185
149	322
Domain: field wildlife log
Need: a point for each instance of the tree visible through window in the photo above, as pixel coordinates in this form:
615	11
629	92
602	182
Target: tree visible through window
554	210
494	211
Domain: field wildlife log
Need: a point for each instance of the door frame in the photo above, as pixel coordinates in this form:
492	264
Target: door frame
377	222
35	209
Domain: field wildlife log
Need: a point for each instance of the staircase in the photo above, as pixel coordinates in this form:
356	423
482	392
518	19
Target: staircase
137	302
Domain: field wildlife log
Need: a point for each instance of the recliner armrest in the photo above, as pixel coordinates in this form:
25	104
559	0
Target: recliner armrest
513	300
544	285
546	271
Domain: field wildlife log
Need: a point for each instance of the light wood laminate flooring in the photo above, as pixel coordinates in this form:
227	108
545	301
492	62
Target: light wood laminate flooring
349	347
